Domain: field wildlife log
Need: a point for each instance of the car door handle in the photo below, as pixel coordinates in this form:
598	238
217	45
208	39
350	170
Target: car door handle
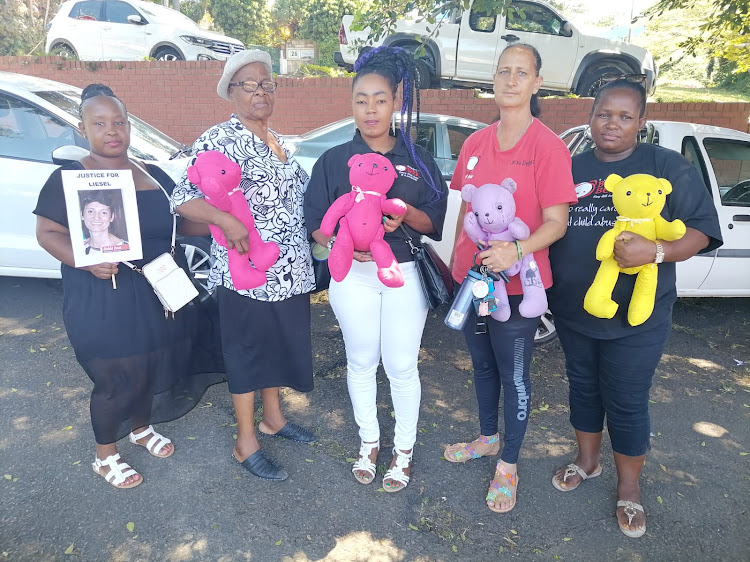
509	37
741	218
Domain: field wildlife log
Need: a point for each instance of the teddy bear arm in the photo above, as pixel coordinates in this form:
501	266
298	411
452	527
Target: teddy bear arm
340	207
606	246
666	230
518	229
472	228
392	206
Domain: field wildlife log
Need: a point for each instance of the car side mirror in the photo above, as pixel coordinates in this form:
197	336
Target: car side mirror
68	153
567	30
136	19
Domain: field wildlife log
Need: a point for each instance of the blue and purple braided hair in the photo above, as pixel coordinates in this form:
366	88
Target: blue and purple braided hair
396	65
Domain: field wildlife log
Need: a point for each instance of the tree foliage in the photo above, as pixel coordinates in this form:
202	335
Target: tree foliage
246	20
725	32
21	27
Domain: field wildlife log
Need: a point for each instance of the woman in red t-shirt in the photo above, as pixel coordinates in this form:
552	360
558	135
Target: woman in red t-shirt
520	147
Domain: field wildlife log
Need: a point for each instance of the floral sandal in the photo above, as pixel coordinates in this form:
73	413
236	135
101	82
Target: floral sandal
508	490
155	444
462	452
364	464
396	472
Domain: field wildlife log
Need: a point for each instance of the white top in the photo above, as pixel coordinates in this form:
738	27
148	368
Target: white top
275	192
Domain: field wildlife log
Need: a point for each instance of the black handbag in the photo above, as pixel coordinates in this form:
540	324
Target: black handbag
434	275
320	268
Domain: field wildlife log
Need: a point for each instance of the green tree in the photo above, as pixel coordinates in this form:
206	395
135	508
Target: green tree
21	28
725	32
246	20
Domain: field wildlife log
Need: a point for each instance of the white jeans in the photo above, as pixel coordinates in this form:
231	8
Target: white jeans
380	321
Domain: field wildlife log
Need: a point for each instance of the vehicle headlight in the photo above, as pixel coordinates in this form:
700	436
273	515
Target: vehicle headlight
199	41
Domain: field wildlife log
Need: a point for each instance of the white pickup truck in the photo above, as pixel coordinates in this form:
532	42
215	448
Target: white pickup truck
466	49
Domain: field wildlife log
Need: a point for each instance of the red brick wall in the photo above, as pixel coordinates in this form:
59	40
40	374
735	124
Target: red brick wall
180	98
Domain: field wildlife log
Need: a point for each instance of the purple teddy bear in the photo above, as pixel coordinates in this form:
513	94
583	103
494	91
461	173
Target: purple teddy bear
493	217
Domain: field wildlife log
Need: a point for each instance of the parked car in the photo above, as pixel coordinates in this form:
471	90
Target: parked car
466	49
132	30
38	116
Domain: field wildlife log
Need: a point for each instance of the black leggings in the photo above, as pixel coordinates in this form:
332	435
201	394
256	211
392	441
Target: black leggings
502	358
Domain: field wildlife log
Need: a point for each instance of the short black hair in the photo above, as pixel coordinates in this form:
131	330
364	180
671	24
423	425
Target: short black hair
95	90
623	84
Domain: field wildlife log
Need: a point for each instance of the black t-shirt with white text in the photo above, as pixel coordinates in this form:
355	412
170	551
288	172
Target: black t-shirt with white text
573	258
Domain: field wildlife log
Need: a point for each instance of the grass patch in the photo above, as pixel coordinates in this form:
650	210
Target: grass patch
682	94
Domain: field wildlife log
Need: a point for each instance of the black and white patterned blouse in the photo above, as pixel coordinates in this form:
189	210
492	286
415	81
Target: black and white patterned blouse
275	192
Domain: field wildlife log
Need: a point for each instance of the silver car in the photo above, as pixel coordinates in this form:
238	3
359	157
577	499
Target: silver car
38	116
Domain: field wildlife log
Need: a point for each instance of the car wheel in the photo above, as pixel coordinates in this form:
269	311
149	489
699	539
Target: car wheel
198	253
589	83
168	53
424	76
63	50
546	332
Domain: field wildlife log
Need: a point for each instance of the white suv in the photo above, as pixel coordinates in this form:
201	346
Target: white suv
132	30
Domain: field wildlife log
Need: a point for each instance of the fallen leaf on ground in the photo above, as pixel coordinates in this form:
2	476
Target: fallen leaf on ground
664	468
413	527
566	539
454	548
278	542
38	316
69	550
350	459
309	460
8	477
77	462
191	438
67	427
130	526
658	498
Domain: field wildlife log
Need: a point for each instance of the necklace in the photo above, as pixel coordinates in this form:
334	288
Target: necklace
515	139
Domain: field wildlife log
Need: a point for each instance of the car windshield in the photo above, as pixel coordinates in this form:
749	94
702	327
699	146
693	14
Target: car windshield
172	17
146	142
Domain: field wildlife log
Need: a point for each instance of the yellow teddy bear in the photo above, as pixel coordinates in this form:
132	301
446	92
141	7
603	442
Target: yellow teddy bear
639	200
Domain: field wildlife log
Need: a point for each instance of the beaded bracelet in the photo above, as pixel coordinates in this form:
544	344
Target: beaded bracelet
519	250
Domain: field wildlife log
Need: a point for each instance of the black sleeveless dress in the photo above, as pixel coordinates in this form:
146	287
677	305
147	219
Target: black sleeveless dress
145	368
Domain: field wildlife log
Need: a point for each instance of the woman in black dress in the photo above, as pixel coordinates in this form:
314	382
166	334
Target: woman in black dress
141	363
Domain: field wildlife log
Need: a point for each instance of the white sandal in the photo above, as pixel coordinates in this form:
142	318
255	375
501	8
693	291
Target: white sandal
572	470
364	463
396	472
118	471
155	444
631	510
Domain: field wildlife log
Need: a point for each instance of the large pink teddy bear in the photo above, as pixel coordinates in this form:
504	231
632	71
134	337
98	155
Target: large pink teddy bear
493	217
361	219
219	179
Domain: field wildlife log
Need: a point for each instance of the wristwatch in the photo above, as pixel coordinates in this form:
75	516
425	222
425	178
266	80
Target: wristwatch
659	252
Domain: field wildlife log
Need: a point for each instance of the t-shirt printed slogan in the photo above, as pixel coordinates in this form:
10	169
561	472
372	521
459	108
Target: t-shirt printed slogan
594	207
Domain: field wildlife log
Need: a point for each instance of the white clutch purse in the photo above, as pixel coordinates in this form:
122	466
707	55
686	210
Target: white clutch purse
170	282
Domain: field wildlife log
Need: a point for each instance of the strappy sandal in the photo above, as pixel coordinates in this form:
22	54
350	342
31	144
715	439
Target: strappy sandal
364	464
155	444
462	452
509	491
396	472
631	510
571	470
118	471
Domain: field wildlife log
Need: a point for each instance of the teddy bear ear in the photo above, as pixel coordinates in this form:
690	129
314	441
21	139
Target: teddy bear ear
467	192
509	184
353	160
193	174
611	182
665	185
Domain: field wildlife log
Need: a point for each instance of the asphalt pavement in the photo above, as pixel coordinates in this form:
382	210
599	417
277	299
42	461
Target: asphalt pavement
200	504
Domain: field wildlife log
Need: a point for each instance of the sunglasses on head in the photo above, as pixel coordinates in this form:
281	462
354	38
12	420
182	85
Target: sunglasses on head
617	76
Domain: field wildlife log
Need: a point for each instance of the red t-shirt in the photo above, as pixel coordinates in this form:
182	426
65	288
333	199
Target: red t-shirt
541	166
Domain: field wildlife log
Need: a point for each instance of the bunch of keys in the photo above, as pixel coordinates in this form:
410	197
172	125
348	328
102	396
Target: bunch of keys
484	301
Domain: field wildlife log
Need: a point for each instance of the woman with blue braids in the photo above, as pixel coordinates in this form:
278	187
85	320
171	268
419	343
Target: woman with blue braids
377	321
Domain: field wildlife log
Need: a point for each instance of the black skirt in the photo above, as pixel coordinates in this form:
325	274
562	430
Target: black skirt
265	344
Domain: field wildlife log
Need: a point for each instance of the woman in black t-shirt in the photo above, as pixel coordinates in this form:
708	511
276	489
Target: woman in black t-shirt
377	320
610	364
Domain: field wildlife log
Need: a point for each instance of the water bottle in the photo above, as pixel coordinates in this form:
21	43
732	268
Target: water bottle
459	312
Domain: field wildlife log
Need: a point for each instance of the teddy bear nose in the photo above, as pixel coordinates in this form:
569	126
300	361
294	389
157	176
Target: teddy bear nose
648	195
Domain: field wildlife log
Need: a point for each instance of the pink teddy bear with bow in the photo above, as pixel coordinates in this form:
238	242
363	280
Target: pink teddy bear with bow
493	217
219	179
359	215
